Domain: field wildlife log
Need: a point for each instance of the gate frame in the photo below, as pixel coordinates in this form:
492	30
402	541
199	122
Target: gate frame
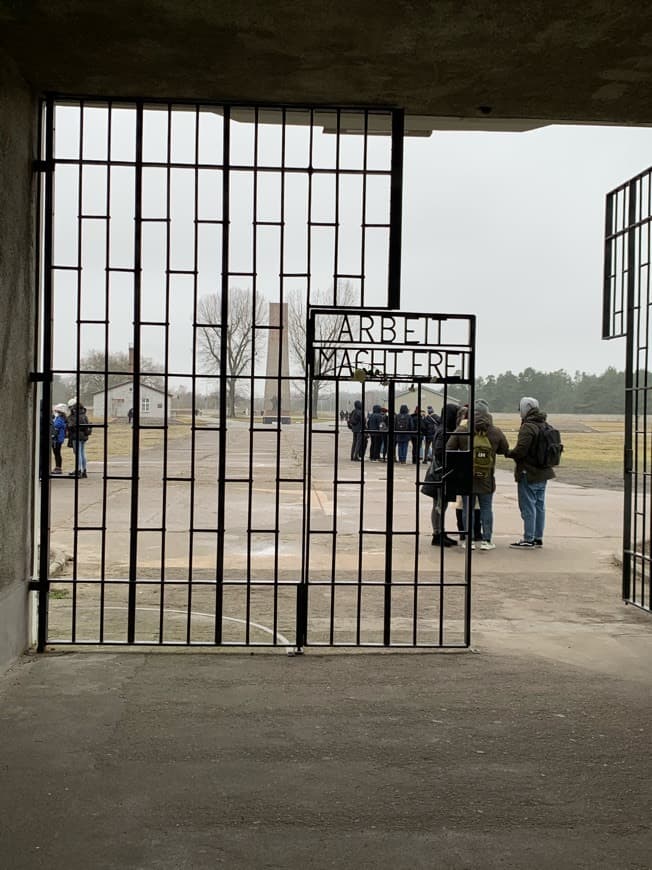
626	292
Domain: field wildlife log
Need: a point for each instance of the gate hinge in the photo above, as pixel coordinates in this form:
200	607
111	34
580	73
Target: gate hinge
42	165
37	585
36	377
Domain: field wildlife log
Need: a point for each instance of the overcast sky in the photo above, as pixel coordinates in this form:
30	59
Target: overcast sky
509	226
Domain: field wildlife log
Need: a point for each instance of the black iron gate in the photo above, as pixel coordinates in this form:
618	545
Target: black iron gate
183	248
627	305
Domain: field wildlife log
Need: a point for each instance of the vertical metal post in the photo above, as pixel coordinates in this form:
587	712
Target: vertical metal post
135	432
396	211
46	395
470	518
389	519
224	320
607	297
629	393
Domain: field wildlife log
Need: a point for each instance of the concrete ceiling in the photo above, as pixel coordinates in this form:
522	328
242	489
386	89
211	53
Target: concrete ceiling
493	63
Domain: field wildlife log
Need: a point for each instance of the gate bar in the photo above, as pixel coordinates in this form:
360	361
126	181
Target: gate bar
46	394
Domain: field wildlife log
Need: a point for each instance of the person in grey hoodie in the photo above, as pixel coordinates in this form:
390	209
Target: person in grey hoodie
530	478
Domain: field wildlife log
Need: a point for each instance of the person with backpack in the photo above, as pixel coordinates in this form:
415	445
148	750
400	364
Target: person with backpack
429	423
418	432
403	428
538	448
377	425
384	433
488	440
356	423
79	430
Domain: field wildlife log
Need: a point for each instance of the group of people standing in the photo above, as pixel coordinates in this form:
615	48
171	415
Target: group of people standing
530	474
70	421
432	436
415	429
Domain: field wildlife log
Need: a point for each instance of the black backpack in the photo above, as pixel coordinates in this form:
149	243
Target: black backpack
403	423
547	448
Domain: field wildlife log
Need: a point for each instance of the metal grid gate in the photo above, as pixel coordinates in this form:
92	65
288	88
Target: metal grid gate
626	312
184	247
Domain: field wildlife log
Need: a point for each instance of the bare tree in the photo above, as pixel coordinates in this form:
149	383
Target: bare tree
240	350
92	379
327	331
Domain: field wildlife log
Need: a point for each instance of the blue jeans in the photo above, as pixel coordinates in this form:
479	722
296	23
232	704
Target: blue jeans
532	504
81	455
402	450
485	503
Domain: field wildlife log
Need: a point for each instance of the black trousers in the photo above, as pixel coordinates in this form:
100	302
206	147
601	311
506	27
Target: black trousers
56	449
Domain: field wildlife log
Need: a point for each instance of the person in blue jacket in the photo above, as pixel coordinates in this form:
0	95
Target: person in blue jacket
58	434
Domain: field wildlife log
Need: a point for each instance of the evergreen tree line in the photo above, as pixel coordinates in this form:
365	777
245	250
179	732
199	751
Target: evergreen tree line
581	393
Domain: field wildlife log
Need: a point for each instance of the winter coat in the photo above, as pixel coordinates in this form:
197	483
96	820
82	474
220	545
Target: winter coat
58	430
375	418
356	419
522	453
449	418
78	426
428	424
405	434
459	440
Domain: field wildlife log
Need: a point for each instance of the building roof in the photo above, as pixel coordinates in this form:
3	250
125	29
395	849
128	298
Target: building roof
129	381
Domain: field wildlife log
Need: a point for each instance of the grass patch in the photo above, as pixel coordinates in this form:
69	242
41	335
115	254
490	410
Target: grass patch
120	439
593	447
59	593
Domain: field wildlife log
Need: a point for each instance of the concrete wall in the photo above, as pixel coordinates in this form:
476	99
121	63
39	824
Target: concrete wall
18	121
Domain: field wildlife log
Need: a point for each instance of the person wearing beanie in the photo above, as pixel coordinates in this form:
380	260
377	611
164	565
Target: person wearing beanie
484	463
530	479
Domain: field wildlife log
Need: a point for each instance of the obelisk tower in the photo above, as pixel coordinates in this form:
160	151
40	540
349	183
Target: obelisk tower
277	385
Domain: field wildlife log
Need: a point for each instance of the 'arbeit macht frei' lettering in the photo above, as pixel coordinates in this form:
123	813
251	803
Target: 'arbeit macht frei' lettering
392	362
392	346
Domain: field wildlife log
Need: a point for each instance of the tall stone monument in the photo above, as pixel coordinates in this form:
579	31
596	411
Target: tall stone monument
276	407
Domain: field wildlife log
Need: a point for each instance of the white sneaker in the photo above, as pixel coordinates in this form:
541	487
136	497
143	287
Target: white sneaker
487	545
472	545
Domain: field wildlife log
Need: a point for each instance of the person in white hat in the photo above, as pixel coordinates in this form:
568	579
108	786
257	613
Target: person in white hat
58	434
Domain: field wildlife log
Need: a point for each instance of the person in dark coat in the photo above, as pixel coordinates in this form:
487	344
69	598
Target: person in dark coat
484	485
531	480
446	427
429	423
384	433
403	428
78	431
418	432
356	423
375	424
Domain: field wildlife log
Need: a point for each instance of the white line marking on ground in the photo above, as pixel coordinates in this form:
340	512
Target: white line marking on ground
280	637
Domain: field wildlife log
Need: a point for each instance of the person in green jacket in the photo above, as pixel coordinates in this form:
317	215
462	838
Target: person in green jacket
484	481
531	479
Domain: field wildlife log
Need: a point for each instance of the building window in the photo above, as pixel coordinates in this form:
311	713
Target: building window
144	405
